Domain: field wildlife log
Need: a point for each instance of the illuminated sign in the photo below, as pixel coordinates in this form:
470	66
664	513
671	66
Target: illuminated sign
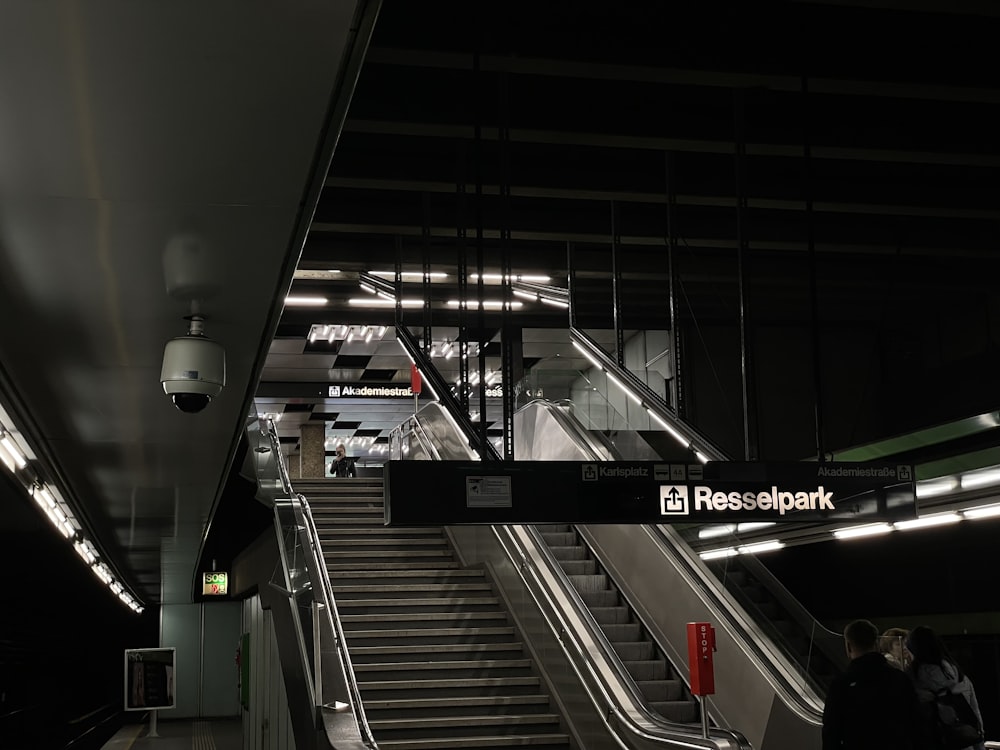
215	584
533	492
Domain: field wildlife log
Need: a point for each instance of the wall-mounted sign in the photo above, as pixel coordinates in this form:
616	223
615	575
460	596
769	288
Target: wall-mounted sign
149	678
390	390
647	492
215	583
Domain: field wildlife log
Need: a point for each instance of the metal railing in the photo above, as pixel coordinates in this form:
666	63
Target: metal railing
302	577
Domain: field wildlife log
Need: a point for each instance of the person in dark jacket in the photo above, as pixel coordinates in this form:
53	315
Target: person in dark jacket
873	705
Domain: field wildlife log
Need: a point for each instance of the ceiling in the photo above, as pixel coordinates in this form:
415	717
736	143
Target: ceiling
855	169
824	173
133	132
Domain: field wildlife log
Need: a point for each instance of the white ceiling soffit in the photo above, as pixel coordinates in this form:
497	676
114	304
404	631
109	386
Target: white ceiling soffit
128	127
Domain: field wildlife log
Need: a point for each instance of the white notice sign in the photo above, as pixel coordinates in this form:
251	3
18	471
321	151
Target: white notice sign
487	492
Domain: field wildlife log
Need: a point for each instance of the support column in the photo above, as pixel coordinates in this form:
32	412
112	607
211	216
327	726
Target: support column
312	449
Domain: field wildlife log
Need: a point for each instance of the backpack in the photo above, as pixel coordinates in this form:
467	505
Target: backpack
956	724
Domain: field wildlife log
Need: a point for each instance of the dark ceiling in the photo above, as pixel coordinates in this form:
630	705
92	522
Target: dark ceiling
821	178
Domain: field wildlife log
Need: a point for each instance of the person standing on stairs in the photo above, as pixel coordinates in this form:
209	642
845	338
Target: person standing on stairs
871	706
340	464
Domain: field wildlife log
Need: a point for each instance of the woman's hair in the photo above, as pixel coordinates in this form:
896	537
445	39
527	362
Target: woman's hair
891	637
927	648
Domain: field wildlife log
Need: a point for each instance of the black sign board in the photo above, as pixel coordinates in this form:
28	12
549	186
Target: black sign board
463	492
149	678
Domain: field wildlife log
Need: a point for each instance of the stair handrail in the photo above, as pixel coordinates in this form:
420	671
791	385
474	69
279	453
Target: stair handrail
440	389
308	537
333	616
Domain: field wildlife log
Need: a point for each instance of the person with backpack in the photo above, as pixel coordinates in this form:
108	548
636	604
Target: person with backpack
873	705
947	696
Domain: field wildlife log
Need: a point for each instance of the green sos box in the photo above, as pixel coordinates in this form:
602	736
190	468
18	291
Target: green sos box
215	584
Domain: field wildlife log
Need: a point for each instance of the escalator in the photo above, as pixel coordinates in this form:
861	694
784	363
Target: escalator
793	655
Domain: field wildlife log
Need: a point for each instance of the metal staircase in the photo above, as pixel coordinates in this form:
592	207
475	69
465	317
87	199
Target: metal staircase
664	691
437	661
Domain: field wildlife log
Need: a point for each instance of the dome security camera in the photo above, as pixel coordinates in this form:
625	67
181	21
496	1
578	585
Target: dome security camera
194	369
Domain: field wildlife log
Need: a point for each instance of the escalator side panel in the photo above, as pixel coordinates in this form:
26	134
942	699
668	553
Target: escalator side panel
666	602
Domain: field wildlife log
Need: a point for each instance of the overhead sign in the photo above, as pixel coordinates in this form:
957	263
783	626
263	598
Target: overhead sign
367	390
646	492
215	583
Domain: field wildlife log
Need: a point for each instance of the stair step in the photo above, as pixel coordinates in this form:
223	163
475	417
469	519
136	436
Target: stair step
421	705
434	617
429	632
429	666
343	604
408	573
470	743
403	588
400	651
439	565
408	686
436	722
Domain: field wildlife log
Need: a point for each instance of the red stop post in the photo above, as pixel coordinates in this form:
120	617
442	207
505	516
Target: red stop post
415	381
701	646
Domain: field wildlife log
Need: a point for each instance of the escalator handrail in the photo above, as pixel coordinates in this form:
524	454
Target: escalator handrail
553	593
675	548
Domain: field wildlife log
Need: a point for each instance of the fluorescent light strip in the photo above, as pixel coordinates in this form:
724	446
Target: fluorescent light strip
525	295
496	278
8	460
409	274
368	287
937	519
753	549
935	487
980	478
628	392
382	302
711	532
754	526
860	531
716	554
487	304
676	435
588	355
13	450
983	511
554	302
306	301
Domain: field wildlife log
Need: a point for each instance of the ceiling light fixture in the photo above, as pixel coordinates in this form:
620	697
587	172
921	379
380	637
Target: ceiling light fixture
409	274
980	478
934	487
861	531
496	278
983	511
8	445
716	554
488	304
306	301
753	549
711	532
937	519
382	302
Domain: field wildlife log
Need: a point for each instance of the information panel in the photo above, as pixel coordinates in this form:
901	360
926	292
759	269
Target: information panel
459	492
149	678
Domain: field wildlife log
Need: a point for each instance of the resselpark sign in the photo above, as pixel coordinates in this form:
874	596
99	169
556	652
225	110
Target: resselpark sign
646	492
